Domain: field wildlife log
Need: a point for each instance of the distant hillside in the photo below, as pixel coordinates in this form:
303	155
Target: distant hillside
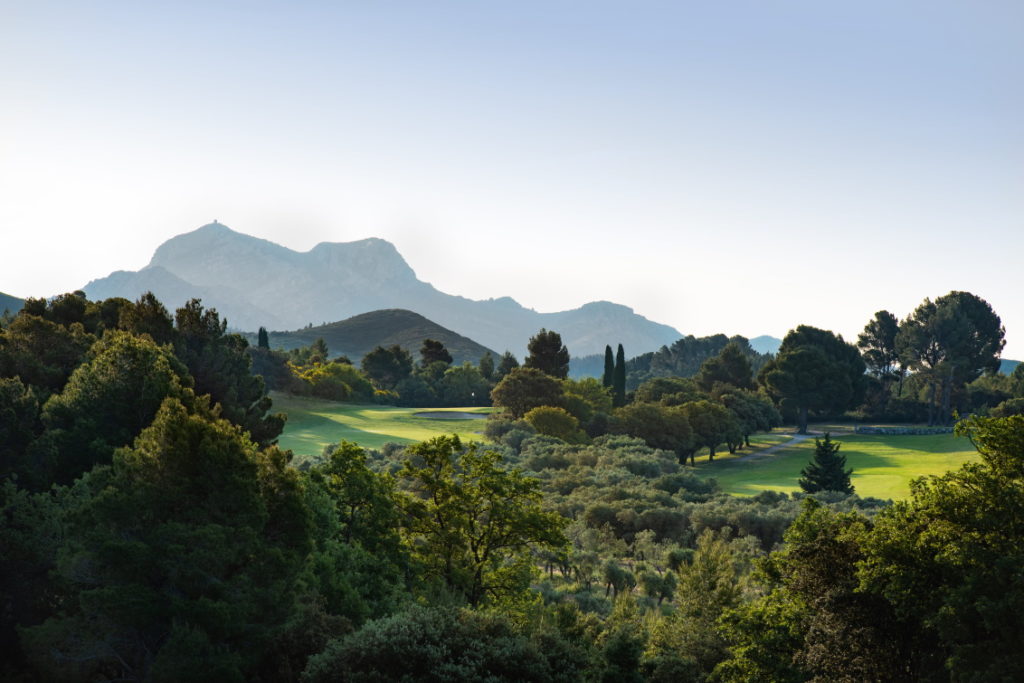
766	344
360	334
253	283
1007	366
10	303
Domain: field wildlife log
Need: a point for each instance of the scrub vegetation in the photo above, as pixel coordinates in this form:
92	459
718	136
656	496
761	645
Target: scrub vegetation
163	517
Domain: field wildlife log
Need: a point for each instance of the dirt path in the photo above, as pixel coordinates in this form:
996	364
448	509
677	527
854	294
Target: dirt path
797	438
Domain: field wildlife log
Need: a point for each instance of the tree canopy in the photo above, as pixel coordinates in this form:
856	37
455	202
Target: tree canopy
548	354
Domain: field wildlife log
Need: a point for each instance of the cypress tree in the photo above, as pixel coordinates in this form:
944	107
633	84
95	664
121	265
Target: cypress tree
263	340
827	470
609	367
619	378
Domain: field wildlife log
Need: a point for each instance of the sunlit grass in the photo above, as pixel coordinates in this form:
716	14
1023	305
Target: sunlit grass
315	423
883	465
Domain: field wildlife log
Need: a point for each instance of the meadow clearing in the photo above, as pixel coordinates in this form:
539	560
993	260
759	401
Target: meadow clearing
883	466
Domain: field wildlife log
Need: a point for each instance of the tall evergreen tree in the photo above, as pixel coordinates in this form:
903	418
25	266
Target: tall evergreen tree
262	339
487	366
609	367
548	354
619	378
827	470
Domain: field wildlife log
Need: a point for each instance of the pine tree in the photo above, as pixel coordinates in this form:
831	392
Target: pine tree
619	378
609	367
263	340
827	470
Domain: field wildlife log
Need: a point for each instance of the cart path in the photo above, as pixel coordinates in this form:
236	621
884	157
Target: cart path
797	438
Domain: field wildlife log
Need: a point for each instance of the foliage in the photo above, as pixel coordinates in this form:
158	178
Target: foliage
548	354
608	378
180	558
437	645
950	559
949	342
731	366
221	368
106	403
524	389
827	470
556	422
387	367
619	378
469	523
814	370
659	426
434	351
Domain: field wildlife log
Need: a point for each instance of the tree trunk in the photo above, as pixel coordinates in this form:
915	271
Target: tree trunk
803	420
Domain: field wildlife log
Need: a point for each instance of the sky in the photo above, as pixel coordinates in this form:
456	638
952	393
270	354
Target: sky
738	167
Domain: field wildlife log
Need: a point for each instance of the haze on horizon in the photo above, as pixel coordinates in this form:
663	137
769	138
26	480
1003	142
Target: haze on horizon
738	168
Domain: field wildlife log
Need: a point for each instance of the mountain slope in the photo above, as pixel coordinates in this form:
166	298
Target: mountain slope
11	304
360	334
253	283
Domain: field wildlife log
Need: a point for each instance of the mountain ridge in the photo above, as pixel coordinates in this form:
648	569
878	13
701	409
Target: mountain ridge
254	282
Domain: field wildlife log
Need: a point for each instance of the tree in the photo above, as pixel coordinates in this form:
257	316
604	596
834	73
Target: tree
730	367
434	351
463	385
446	646
609	367
486	366
193	541
881	355
949	560
42	353
659	426
107	402
148	316
507	364
262	339
387	367
827	469
814	370
526	388
712	425
950	342
221	367
471	523
754	412
619	378
556	422
548	354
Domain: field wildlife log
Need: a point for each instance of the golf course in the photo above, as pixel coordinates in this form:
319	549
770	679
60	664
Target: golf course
883	465
315	423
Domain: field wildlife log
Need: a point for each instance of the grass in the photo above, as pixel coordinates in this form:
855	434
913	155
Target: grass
315	423
883	465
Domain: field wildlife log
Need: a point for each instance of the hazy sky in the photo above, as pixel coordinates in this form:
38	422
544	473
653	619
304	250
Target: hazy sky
737	167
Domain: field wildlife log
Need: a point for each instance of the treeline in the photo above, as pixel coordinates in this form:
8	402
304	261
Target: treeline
387	375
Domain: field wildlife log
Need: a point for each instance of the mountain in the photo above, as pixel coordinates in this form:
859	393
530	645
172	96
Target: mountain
11	304
253	282
360	334
1007	366
766	344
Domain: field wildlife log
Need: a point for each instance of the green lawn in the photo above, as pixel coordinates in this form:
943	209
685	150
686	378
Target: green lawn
883	466
315	423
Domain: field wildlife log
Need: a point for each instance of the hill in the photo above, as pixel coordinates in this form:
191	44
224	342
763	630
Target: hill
253	282
766	344
9	303
1007	366
358	335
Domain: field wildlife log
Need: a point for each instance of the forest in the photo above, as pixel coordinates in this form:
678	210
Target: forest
152	530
